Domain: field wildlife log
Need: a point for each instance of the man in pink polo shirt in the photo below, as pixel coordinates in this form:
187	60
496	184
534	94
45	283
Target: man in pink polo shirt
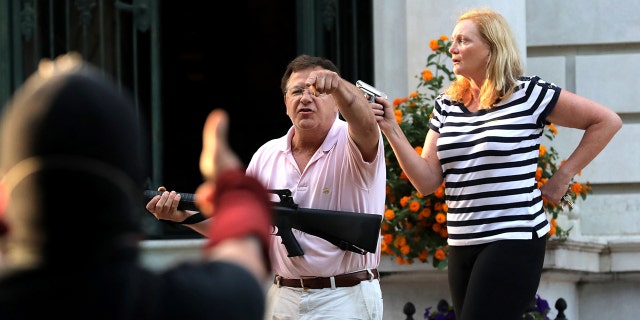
327	163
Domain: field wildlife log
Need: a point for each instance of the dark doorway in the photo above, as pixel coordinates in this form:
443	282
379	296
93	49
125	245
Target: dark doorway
208	64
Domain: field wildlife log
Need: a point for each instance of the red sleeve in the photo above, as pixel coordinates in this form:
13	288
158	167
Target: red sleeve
242	207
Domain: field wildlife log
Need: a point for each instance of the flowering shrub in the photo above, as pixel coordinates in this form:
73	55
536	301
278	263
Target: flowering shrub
415	225
538	311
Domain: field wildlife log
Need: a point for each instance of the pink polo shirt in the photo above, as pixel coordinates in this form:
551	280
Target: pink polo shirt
336	178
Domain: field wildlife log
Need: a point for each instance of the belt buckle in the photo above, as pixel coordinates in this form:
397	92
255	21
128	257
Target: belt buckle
278	280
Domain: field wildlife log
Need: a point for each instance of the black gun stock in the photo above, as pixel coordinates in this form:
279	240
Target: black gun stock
356	232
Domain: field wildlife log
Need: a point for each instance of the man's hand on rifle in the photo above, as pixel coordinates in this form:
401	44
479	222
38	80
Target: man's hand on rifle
165	206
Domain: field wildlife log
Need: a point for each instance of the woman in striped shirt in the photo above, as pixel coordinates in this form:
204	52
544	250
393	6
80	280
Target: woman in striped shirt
483	142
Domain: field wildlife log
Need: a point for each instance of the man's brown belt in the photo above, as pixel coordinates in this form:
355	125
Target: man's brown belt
342	280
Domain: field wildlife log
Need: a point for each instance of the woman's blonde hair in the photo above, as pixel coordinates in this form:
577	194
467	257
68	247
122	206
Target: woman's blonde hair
504	65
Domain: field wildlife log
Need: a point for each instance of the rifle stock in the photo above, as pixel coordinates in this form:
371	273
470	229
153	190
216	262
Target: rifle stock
356	232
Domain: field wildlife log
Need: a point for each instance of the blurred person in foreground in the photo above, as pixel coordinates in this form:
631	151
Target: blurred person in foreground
483	141
327	163
71	160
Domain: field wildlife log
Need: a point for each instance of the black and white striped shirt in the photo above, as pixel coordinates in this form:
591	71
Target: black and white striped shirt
489	160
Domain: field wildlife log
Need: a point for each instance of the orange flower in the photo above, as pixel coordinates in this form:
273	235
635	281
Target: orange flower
538	173
425	213
436	227
427	75
542	151
424	254
404	201
553	129
444	233
439	254
414	94
553	230
398	114
433	44
405	249
403	176
444	37
414	206
439	192
441	218
576	188
418	149
400	241
389	214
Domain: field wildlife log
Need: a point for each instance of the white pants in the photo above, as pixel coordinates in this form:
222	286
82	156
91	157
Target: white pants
360	302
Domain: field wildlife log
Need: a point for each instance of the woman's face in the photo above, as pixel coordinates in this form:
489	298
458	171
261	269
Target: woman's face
469	52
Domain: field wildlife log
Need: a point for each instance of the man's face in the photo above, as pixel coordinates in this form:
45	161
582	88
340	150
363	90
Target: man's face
307	109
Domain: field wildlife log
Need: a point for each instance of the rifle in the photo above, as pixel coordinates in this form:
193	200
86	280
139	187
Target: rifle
356	232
